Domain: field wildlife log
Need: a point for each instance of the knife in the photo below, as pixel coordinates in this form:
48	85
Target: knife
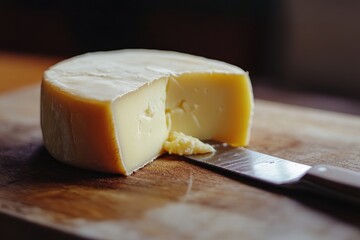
329	181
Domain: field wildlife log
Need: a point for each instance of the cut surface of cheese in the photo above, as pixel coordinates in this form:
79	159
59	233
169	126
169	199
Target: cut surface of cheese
181	144
113	111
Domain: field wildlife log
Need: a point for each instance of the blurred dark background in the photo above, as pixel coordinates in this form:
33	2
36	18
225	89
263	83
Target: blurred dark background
304	52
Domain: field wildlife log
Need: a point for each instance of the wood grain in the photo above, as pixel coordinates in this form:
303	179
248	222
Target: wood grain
171	198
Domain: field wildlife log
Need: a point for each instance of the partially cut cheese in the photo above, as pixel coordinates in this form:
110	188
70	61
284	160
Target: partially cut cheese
113	111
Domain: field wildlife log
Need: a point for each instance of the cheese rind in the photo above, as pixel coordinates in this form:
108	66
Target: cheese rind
113	111
117	73
77	134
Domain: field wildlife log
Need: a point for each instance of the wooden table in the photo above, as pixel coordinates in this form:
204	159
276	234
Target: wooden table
170	198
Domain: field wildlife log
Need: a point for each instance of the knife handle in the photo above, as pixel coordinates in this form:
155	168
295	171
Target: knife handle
334	182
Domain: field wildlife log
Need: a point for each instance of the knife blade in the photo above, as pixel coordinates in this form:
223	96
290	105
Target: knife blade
334	182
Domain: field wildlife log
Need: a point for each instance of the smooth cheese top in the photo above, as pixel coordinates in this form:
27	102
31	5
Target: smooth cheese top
105	76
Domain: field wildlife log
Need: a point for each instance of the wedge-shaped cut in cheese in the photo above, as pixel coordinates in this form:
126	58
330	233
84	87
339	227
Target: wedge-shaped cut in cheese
141	124
113	111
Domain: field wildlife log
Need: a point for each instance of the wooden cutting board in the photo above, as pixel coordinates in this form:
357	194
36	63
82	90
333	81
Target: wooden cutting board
171	198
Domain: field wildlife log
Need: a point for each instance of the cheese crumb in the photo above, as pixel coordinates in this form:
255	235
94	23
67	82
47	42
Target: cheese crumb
181	144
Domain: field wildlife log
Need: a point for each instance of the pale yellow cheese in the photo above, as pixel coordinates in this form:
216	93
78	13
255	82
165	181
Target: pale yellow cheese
113	111
181	144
